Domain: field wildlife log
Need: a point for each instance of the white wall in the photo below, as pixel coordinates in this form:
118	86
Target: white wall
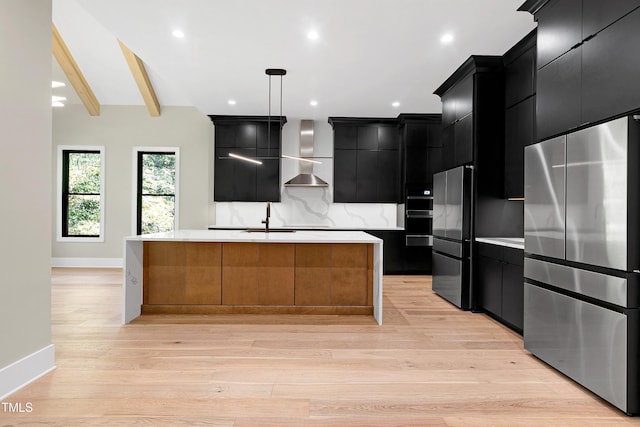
119	129
25	173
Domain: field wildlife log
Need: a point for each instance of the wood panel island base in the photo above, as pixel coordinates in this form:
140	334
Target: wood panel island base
235	272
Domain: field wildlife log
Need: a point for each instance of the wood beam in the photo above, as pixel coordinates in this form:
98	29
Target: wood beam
142	80
73	73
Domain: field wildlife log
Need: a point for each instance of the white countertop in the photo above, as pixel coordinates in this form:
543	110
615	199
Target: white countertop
301	236
310	227
511	242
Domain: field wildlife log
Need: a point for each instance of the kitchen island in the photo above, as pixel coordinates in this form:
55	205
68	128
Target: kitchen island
235	271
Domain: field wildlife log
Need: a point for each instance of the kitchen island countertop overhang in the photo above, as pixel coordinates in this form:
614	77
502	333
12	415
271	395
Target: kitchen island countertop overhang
134	260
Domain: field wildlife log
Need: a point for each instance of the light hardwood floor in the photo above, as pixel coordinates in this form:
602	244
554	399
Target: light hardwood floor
430	364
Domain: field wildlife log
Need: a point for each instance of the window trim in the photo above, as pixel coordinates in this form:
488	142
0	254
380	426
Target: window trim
134	181
59	193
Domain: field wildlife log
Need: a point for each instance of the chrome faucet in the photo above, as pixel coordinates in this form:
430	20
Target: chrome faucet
266	221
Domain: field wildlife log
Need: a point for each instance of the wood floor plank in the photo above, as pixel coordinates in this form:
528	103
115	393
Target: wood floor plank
430	364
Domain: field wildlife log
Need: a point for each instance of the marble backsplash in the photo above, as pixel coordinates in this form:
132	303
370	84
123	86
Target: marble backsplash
304	206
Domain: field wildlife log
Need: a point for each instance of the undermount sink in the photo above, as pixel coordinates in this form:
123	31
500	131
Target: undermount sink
271	230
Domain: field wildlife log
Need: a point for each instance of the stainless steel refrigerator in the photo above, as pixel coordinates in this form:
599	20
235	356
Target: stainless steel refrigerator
582	261
452	232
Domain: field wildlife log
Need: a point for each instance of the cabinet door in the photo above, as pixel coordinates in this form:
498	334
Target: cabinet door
559	29
244	177
416	137
225	136
269	147
387	174
490	284
223	179
464	97
463	136
558	95
246	135
518	134
368	176
513	290
434	157
610	70
597	14
367	137
448	148
448	107
344	176
268	181
345	137
388	138
519	78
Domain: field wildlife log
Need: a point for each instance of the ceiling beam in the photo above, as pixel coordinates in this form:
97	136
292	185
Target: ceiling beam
142	80
73	73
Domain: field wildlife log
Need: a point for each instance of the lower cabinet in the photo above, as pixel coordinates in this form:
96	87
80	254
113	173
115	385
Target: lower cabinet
211	277
500	283
399	258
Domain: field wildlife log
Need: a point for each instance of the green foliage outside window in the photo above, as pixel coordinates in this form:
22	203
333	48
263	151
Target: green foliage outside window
158	192
83	194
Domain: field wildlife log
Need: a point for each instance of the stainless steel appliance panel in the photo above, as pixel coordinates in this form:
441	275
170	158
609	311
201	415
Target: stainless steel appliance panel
596	285
418	240
586	342
439	203
544	192
597	195
447	278
455	203
448	247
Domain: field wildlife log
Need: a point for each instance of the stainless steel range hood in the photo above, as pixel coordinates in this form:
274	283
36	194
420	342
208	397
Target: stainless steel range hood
306	178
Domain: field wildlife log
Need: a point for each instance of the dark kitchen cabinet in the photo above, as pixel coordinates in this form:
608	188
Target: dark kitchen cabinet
558	95
610	70
344	175
399	258
248	136
421	141
587	59
519	123
518	133
470	120
463	140
366	160
559	29
500	280
598	14
520	72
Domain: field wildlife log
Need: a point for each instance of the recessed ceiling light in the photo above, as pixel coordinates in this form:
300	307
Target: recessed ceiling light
313	35
57	104
178	34
313	103
231	102
395	104
55	84
446	38
55	98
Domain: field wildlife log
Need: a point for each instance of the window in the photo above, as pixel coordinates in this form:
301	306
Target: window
81	194
156	197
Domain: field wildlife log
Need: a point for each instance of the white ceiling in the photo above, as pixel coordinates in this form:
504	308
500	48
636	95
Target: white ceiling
370	53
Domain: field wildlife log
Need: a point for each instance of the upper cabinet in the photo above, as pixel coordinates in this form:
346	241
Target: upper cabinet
253	137
519	96
421	142
366	160
468	119
588	57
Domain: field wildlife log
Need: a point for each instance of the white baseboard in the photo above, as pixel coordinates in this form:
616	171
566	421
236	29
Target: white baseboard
26	370
87	262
